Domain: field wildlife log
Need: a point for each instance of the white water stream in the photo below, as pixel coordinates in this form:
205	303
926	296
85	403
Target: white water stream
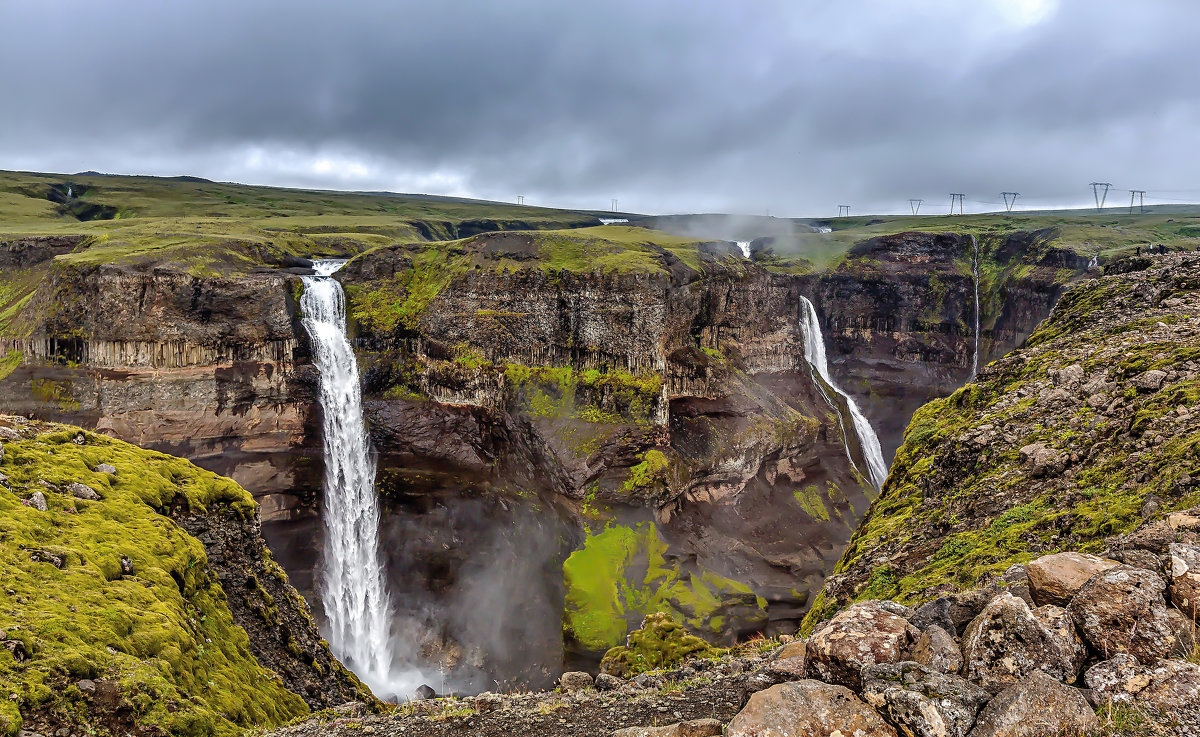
814	353
357	605
975	270
745	247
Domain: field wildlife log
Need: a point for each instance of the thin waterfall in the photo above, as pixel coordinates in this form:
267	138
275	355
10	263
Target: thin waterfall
745	247
975	270
357	605
814	353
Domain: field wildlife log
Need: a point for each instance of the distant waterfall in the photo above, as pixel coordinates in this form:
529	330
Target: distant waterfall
353	591
814	353
975	269
745	246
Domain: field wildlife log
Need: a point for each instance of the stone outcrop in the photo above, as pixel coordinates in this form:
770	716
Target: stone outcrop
807	709
865	634
1007	642
1055	578
921	701
1039	707
1122	610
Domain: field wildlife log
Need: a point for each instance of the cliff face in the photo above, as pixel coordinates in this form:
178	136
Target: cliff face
113	616
1067	443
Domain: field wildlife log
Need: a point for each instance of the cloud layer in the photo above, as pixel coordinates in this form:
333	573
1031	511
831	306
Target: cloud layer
791	107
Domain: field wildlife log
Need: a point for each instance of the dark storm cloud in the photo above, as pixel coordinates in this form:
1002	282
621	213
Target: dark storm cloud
666	104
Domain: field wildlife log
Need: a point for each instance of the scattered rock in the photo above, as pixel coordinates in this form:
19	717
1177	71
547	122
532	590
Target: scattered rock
424	692
1117	680
606	682
807	709
693	728
936	649
921	701
488	702
86	686
575	681
37	500
1054	579
936	612
1152	380
1039	706
1183	570
864	634
1042	461
105	468
82	491
791	662
126	566
1007	642
1169	687
1122	610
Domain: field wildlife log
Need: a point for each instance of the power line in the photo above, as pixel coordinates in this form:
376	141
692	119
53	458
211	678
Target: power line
1100	197
520	199
614	204
1008	206
1141	195
843	210
915	205
956	197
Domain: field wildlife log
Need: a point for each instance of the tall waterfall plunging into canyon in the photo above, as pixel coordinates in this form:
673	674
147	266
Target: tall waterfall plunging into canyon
354	595
975	271
814	353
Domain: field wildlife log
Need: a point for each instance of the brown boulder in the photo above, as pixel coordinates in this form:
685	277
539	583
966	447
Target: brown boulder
1122	610
1054	579
791	662
865	634
1169	687
807	709
937	649
1183	569
1008	641
1039	706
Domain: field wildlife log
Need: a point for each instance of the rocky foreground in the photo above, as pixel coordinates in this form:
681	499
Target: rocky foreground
1068	644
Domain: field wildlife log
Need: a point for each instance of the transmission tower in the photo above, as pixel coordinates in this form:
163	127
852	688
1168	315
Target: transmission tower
1099	196
614	204
915	205
843	210
520	199
1141	195
956	197
1008	206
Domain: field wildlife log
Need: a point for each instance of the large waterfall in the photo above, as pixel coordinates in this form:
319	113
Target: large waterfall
744	246
975	270
354	595
814	353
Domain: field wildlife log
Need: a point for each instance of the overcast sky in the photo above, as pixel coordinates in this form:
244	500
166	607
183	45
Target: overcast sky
791	107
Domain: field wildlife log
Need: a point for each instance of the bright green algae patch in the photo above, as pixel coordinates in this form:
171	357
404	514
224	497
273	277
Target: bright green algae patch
659	643
603	397
623	574
163	632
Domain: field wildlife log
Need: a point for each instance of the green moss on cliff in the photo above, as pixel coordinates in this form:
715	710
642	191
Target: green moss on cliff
593	396
623	574
660	642
157	625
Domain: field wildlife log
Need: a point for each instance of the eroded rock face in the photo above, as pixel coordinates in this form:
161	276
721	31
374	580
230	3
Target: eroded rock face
1122	610
807	709
1055	578
1183	568
1039	706
1007	642
921	701
865	634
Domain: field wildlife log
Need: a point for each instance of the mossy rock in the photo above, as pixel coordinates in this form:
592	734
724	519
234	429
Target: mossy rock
114	591
660	642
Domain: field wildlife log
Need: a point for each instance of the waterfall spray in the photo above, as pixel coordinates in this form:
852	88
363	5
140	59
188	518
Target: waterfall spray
814	353
355	597
975	270
745	247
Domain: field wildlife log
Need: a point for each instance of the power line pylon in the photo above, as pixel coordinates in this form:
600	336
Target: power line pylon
614	204
520	199
1099	196
843	211
915	205
956	197
1141	195
1008	206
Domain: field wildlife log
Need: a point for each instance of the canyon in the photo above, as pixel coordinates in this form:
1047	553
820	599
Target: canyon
573	428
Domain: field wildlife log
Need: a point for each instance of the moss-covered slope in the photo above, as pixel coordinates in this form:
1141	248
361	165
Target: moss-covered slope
113	616
1091	428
